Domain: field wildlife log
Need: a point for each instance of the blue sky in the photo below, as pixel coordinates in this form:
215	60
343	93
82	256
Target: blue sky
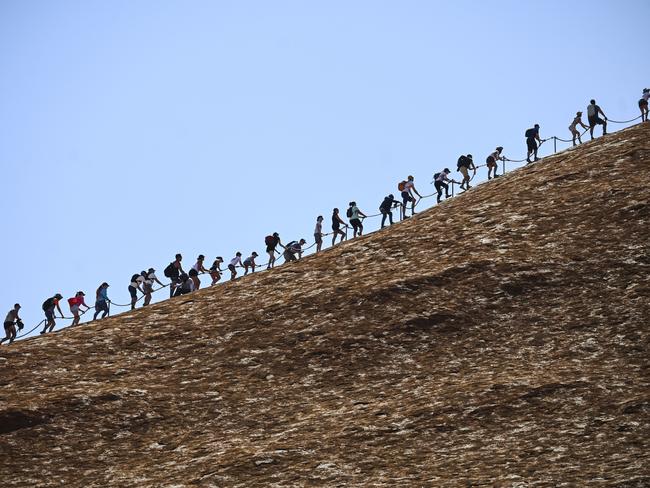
132	130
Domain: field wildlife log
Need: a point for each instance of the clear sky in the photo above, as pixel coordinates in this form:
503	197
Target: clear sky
132	130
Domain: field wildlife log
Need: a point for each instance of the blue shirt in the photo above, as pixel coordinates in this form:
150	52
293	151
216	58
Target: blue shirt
103	295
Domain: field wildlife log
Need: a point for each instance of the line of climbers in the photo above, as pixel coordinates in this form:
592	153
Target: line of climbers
182	282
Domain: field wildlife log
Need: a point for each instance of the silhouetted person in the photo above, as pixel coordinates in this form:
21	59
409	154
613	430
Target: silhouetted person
593	112
532	138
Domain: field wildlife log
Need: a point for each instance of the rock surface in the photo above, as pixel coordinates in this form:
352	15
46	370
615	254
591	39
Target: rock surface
498	339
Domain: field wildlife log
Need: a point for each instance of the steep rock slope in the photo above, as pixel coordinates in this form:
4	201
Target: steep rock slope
499	339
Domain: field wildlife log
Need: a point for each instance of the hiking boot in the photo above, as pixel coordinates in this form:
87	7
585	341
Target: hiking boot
536	159
496	176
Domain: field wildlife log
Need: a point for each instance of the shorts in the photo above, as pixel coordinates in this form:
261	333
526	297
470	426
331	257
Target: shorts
595	120
463	171
318	238
356	224
148	288
289	256
573	129
491	162
643	103
74	309
9	326
232	269
49	314
101	306
406	197
133	292
270	249
336	227
531	143
248	264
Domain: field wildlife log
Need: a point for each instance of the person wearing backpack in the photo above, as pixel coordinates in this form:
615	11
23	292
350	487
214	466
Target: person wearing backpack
407	188
318	233
249	262
355	215
215	270
593	111
491	162
441	180
532	138
293	248
386	207
464	164
149	279
234	262
11	320
49	306
101	301
573	128
185	285
337	221
272	242
75	302
134	287
173	271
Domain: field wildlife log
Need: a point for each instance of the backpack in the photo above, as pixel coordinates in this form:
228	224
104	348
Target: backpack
269	240
401	186
48	304
530	133
462	161
169	270
134	278
349	212
435	176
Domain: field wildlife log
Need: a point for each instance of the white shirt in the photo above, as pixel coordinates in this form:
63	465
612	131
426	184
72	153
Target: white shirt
646	96
408	186
151	277
442	177
235	261
319	228
197	267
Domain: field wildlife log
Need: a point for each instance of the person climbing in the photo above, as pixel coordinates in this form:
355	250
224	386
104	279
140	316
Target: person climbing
11	321
134	287
386	209
643	104
75	303
232	266
194	278
318	233
49	306
149	279
185	285
173	271
532	138
407	187
355	215
573	128
593	111
272	242
464	164
215	270
249	262
293	248
101	300
199	268
491	162
337	221
441	180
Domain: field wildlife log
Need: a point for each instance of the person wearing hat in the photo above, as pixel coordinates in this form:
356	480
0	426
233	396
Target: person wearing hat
464	164
249	262
643	104
532	138
48	307
75	302
149	279
491	162
11	320
574	127
407	195
441	181
293	248
386	208
215	270
101	301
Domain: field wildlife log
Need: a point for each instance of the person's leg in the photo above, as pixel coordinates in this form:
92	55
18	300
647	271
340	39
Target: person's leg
97	310
604	127
438	187
360	228
390	217
12	332
413	205
75	318
172	287
383	218
245	269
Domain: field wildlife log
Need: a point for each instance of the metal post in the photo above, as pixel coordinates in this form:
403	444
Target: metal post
554	144
504	167
452	188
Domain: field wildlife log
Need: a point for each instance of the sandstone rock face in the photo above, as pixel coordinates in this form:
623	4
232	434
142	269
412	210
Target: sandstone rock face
498	339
